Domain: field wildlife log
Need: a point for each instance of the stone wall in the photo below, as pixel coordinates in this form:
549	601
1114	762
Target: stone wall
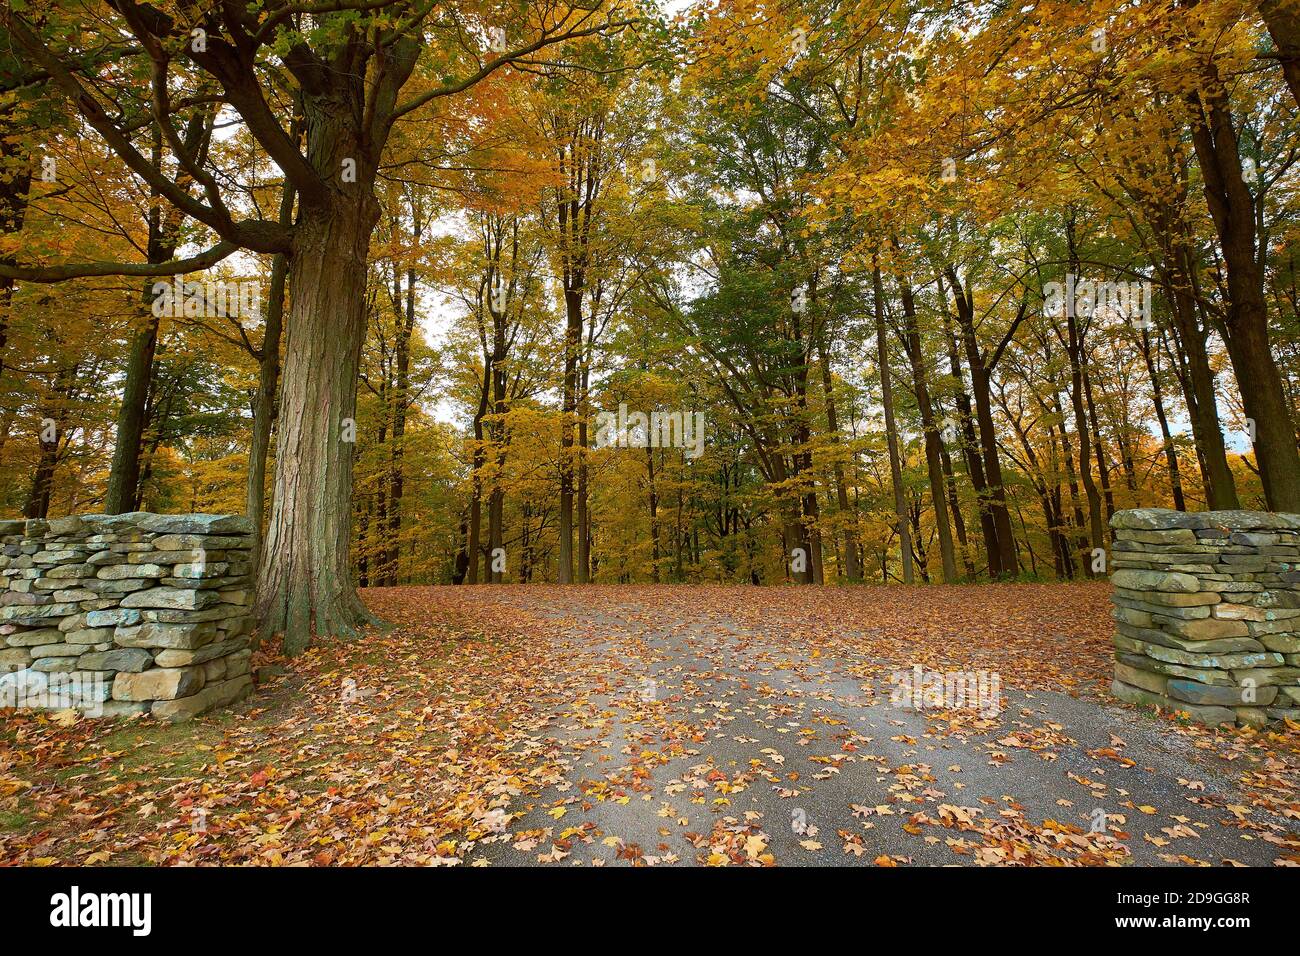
1207	611
121	614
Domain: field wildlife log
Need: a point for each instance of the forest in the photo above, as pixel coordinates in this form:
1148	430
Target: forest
479	292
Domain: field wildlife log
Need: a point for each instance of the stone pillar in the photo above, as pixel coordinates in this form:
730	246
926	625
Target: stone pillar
123	614
1207	611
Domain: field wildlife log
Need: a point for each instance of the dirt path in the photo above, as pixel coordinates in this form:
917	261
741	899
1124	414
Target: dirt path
729	725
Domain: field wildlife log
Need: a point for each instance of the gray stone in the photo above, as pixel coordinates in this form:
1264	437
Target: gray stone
195	524
14	659
180	636
56	650
217	695
160	683
1156	581
89	635
198	542
1206	629
45	635
1263	676
117	617
177	657
1195	693
120	659
118	572
171	599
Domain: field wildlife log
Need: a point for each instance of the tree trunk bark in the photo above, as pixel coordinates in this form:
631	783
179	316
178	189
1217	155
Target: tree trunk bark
1166	438
891	431
1232	208
1282	17
851	568
305	586
934	464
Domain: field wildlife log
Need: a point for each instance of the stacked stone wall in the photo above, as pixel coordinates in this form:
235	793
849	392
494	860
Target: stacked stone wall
122	614
1207	611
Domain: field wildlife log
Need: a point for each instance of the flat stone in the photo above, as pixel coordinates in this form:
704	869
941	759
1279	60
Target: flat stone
1263	676
117	617
45	635
117	572
180	636
1169	536
36	615
199	542
1206	629
115	709
130	659
214	569
54	665
1246	659
1251	716
24	599
177	657
1133	676
90	635
69	524
1131	616
1136	695
1290	696
217	695
56	650
70	571
195	524
125	586
14	659
1240	612
1169	598
1218	695
1278	599
1275	628
159	683
219	613
171	599
1156	581
1154	519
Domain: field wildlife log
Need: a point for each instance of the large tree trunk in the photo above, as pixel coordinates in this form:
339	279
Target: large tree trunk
981	373
474	543
1199	395
850	566
572	342
396	481
584	512
934	464
124	473
1099	449
305	586
1282	17
891	431
1166	438
1232	208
